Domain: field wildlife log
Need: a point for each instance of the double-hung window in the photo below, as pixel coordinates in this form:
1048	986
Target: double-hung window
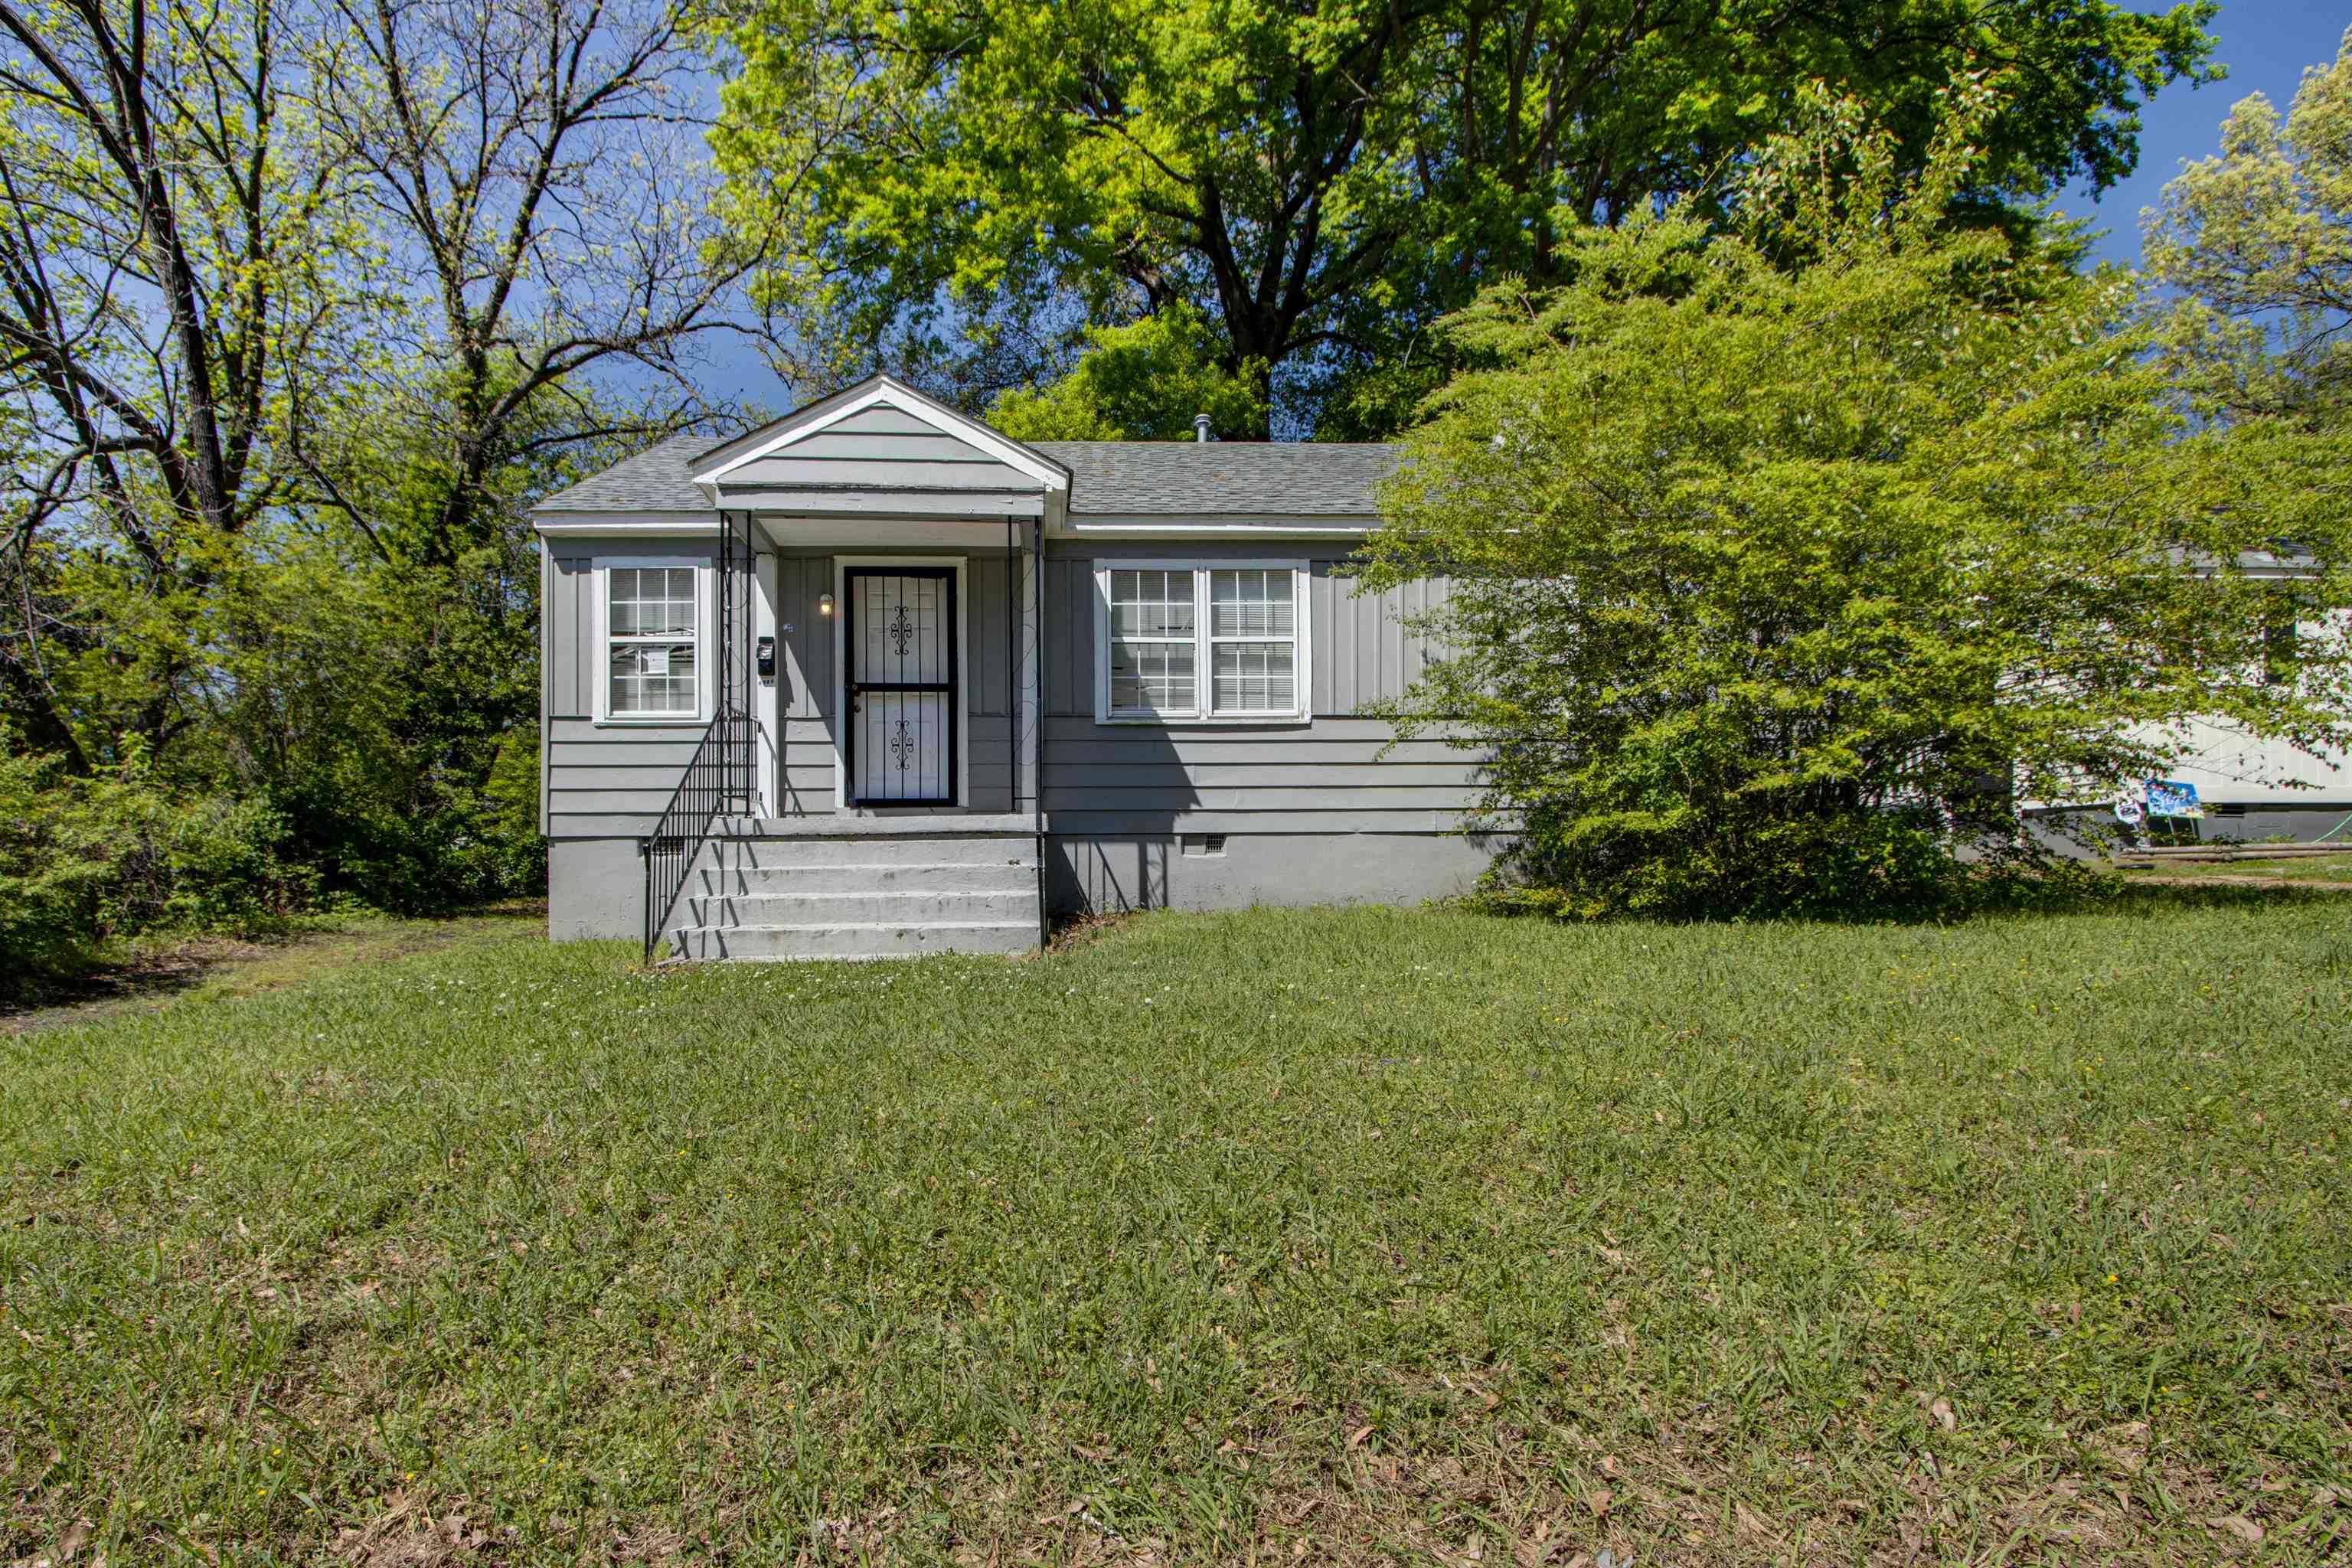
1200	642
653	665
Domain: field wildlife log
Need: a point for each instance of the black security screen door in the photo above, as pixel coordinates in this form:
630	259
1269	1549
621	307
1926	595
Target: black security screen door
903	698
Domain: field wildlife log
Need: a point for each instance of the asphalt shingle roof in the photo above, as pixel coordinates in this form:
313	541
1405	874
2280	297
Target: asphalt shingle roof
1108	479
660	479
1214	478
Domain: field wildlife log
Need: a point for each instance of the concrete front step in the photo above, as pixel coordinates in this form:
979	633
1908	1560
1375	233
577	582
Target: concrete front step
902	849
816	882
861	888
912	906
864	940
912	823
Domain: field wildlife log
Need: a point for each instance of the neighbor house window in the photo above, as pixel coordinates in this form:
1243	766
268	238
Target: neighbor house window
653	617
1200	642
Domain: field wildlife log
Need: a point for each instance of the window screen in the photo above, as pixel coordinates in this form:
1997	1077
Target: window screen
1154	647
1202	642
651	641
1253	641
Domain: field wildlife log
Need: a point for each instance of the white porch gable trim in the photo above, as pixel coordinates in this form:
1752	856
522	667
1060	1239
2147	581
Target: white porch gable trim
883	392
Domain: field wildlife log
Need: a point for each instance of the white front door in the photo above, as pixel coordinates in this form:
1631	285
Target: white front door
903	688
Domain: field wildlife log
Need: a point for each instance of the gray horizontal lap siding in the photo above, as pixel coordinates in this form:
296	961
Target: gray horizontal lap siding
614	780
1338	774
880	449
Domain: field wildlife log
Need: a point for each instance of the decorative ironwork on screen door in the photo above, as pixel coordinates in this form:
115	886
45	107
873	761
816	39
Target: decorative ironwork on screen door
903	686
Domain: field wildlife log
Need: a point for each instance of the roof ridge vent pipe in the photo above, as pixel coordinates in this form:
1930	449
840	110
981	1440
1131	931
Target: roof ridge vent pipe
1200	427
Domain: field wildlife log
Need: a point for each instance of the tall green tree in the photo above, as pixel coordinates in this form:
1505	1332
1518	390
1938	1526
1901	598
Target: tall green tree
300	302
1322	179
2257	241
1788	557
1145	381
538	168
182	278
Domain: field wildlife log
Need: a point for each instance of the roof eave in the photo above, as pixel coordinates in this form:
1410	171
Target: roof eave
1218	525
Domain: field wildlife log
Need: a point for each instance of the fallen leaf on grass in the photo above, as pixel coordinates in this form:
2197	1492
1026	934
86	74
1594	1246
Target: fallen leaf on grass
1601	1499
2124	1447
69	1545
1359	1436
2239	1525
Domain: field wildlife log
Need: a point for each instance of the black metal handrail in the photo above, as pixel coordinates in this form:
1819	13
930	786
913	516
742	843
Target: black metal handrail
722	778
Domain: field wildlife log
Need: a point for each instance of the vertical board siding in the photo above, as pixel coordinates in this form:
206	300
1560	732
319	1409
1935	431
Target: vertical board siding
566	623
804	685
985	706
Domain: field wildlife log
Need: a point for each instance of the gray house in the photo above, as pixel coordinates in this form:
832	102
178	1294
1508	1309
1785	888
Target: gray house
874	679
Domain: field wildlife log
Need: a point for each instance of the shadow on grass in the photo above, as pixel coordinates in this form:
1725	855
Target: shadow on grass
2068	894
152	971
135	976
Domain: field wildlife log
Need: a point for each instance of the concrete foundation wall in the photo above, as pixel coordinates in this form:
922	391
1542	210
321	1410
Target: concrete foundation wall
596	888
2253	823
1108	874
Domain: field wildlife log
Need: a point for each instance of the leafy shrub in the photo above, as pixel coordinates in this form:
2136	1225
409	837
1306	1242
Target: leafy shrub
1801	864
1788	557
1875	870
84	861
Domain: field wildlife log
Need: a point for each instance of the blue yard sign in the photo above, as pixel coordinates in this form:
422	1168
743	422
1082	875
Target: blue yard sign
2173	797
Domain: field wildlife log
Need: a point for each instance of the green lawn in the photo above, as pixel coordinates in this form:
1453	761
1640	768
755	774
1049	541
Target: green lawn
1358	1235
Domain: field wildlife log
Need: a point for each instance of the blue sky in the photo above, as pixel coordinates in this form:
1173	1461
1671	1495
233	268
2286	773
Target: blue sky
2267	45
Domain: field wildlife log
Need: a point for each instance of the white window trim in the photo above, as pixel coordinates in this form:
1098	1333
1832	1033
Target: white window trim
601	643
1301	582
961	760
